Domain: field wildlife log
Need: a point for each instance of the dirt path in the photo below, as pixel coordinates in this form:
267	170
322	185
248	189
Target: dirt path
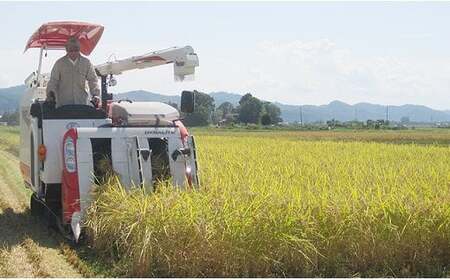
27	247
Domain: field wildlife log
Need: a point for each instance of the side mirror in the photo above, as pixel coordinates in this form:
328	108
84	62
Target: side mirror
187	101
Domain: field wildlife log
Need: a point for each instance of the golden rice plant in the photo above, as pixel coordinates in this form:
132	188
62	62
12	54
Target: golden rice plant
274	206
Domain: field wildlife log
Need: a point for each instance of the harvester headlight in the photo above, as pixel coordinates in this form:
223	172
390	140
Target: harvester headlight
69	155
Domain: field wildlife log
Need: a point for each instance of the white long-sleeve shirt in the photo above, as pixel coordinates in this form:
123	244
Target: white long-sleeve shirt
68	81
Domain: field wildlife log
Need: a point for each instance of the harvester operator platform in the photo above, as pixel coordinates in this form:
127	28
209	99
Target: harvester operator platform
68	78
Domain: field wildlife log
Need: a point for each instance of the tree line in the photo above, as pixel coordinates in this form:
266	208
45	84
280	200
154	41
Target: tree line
10	118
250	110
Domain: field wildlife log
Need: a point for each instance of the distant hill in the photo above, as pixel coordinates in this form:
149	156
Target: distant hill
142	95
10	97
221	97
361	111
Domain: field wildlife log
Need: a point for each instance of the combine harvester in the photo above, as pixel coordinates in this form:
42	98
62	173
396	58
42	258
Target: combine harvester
62	150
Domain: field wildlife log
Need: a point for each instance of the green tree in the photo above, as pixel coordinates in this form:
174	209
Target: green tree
273	111
10	118
245	98
250	109
370	123
266	119
226	108
204	107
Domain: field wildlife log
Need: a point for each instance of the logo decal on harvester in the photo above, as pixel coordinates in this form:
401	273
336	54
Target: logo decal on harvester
160	131
72	125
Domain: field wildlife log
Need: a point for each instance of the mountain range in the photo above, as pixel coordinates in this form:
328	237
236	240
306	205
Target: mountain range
9	100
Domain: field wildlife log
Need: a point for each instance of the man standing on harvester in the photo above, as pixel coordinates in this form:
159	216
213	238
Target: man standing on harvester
67	83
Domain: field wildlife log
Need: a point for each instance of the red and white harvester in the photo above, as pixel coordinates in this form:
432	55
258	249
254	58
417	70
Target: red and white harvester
63	150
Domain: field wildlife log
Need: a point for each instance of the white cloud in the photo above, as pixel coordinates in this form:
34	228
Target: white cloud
316	72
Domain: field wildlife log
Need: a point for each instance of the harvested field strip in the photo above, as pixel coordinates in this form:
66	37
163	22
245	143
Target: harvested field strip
4	272
10	175
14	264
9	140
72	257
34	257
29	244
27	247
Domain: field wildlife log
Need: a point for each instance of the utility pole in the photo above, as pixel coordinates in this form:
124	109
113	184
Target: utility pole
387	113
301	115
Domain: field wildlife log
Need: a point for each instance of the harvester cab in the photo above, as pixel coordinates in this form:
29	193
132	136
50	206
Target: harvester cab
65	151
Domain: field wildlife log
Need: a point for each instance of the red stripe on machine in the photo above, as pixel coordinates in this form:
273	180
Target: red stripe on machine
70	191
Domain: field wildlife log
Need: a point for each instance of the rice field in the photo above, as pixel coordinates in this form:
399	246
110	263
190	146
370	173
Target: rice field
288	204
10	139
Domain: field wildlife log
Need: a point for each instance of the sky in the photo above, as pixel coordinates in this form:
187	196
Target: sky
295	53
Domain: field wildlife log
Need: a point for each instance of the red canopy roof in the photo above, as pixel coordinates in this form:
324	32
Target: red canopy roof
54	35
